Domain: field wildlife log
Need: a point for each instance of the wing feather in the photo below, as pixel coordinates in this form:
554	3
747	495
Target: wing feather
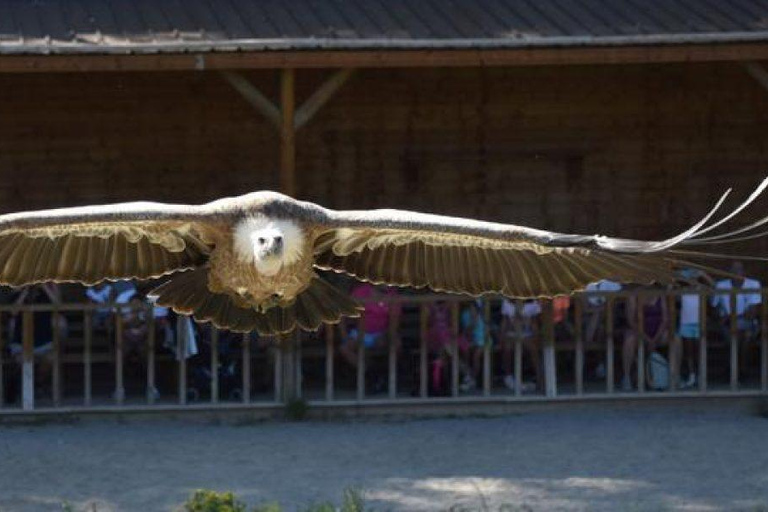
469	256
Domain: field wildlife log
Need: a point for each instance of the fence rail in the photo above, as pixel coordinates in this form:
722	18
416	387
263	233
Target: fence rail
584	354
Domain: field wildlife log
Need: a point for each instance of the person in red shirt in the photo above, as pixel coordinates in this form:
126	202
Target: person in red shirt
381	308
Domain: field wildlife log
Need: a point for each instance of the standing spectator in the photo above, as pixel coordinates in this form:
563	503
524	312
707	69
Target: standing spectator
747	306
524	322
475	332
655	330
689	329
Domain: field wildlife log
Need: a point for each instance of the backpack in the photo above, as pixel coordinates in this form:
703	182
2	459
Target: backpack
657	372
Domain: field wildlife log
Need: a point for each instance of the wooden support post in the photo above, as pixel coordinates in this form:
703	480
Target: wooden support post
299	371
361	358
214	364
640	343
320	97
87	343
56	356
764	342
609	348
253	96
392	360
487	344
674	344
455	349
579	359
734	343
151	390
181	358
329	360
702	342
423	356
519	348
550	364
28	361
287	133
246	366
119	387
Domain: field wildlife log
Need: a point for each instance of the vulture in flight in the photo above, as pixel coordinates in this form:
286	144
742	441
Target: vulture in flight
249	262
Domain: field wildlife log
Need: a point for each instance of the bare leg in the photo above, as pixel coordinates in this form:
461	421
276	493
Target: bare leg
348	350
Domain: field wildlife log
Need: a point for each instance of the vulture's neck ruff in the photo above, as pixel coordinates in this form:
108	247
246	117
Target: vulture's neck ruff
268	243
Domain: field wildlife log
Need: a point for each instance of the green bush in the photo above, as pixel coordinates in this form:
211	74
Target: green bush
204	500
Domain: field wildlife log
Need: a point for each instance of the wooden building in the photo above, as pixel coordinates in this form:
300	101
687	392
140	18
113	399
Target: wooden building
585	115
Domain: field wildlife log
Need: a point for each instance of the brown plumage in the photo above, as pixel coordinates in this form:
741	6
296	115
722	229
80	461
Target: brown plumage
249	262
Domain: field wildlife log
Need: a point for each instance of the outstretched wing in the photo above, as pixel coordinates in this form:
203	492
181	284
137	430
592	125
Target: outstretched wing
468	256
94	243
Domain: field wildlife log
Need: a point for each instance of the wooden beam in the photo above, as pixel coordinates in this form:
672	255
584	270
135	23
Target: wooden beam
253	96
637	54
320	97
758	72
287	133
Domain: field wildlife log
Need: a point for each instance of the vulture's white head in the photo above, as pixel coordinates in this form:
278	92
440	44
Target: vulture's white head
268	243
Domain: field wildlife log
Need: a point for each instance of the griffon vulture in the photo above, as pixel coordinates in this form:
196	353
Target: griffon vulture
249	262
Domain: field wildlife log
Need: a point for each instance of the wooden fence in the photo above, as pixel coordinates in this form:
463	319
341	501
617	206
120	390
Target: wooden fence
729	360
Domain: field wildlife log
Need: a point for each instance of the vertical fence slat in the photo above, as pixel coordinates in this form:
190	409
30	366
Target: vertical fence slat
278	351
246	367
214	364
550	363
640	343
181	359
673	344
734	343
87	343
56	355
702	342
28	362
2	362
361	358
329	355
579	359
423	360
392	359
764	342
519	348
119	386
151	338
487	345
609	348
455	349
299	378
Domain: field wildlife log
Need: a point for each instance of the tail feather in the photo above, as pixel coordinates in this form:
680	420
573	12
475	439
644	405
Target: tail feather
187	293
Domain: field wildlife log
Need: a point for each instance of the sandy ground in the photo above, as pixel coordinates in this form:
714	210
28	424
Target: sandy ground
597	460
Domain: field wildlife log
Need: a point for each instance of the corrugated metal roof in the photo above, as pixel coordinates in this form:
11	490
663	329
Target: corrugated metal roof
152	26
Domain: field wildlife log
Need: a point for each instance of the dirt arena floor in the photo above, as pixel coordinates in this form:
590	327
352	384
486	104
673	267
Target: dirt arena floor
645	459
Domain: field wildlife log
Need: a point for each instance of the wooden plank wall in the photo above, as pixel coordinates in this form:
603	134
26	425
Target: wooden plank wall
639	150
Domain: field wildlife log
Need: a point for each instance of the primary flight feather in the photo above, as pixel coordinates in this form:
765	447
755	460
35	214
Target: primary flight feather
249	262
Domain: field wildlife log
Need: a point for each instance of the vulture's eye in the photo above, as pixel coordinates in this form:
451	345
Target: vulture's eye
262	241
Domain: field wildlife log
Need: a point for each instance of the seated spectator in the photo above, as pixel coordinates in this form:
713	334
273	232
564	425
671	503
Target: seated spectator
520	322
47	293
747	304
689	329
376	318
595	307
440	337
655	330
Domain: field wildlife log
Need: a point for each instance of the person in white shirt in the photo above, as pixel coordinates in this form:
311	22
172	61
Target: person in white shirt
747	303
520	319
747	307
689	329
